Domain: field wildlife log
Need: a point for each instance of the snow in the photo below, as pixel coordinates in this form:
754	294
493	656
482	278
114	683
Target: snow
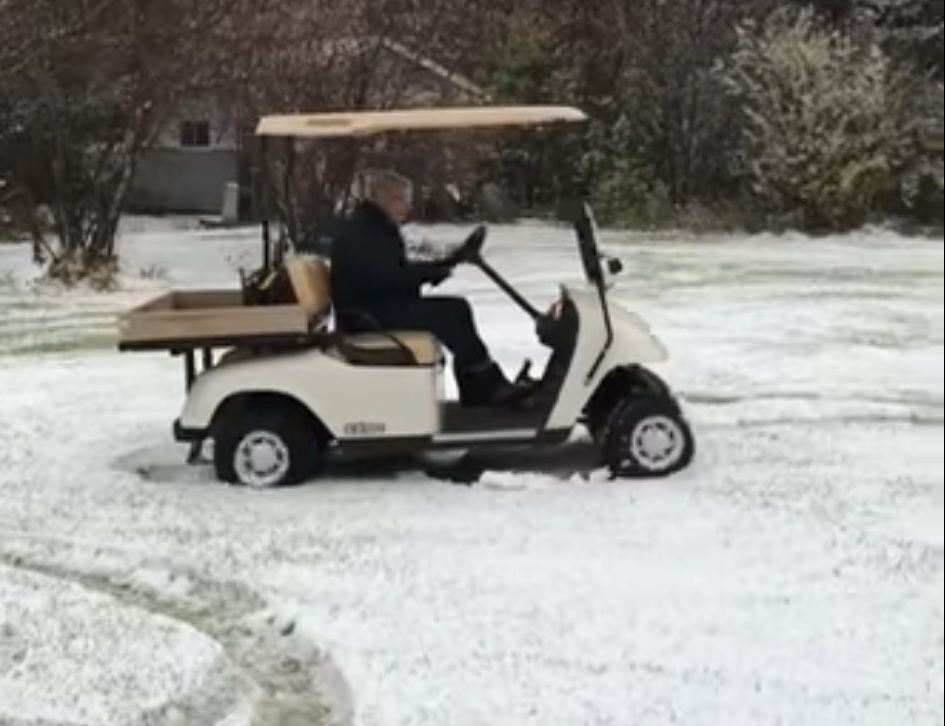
59	644
793	577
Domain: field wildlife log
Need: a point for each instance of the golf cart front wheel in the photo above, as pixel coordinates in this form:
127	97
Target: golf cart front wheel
266	449
647	438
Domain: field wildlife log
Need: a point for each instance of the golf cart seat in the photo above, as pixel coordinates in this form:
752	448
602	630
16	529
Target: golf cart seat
310	279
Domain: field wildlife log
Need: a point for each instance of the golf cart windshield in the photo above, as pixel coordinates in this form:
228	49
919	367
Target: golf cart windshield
585	226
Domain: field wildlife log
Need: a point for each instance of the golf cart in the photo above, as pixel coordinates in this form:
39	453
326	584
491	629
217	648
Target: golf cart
290	391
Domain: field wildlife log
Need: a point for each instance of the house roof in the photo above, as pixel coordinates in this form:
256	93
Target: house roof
368	123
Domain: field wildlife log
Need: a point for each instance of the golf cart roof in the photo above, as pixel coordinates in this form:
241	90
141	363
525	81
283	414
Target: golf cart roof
367	123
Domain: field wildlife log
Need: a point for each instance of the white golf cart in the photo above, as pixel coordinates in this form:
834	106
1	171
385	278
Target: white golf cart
289	391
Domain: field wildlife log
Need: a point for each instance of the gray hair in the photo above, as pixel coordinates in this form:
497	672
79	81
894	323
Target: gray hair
377	183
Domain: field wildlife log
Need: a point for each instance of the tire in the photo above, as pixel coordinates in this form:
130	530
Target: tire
268	448
647	438
623	384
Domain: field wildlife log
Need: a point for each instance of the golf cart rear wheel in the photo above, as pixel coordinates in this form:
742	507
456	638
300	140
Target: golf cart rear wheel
265	449
647	438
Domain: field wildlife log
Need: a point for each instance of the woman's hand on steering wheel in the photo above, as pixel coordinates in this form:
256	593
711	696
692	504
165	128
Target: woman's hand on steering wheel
471	249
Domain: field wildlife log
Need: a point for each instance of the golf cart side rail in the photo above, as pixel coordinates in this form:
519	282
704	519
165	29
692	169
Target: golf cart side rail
367	123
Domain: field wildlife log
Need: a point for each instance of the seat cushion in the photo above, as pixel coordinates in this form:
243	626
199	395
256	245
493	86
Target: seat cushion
310	278
390	348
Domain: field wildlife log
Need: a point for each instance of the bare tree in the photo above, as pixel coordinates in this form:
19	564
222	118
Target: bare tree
333	55
84	96
643	69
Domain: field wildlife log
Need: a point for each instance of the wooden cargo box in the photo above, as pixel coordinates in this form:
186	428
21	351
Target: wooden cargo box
201	319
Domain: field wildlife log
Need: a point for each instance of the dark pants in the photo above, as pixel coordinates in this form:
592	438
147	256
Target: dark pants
449	319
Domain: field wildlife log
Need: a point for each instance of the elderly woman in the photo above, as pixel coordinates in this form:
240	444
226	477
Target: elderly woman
373	279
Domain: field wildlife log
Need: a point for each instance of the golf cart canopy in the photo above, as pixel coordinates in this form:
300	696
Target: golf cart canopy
368	123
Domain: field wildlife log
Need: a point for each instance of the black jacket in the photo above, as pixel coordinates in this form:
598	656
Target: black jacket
370	272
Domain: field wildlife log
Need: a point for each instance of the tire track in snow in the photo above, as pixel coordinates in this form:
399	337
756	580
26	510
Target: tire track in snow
39	319
906	398
216	701
913	419
292	682
914	408
41	328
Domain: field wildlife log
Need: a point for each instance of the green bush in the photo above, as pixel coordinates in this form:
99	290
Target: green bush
923	197
75	269
628	196
826	129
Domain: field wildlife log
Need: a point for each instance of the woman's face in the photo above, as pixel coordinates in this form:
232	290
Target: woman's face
398	203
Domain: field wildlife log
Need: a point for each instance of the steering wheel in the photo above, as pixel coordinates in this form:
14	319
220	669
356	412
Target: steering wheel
471	249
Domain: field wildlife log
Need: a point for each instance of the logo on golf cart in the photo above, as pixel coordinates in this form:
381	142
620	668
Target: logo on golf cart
365	428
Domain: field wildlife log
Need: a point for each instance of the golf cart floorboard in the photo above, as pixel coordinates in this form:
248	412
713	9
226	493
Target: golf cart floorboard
458	419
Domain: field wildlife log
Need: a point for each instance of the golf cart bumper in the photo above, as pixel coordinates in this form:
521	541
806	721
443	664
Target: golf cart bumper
185	435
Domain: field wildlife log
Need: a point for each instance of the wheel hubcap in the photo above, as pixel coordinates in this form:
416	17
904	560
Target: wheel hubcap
262	460
657	443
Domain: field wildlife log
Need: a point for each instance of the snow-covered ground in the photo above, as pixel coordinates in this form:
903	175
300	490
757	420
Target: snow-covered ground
794	577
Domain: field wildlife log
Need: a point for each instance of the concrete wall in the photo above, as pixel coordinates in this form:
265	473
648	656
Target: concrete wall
183	180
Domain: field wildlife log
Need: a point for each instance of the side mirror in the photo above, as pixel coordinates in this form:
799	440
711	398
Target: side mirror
614	266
